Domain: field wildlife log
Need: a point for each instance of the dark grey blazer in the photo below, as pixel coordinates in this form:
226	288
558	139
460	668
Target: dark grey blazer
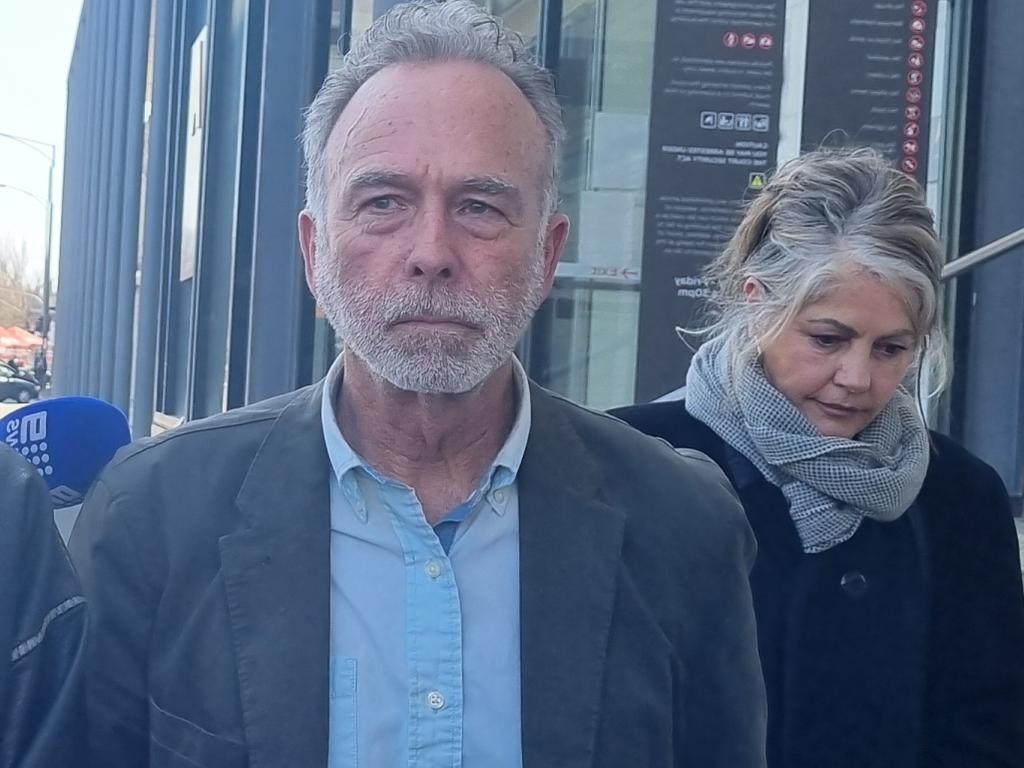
204	554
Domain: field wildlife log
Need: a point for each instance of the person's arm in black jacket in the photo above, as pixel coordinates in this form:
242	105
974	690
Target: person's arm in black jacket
42	626
975	703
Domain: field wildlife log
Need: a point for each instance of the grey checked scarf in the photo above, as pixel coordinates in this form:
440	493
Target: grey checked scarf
832	483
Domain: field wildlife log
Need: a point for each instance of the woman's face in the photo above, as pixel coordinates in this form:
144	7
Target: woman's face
841	359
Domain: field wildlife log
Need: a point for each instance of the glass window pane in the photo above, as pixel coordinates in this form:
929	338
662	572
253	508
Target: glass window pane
584	345
521	15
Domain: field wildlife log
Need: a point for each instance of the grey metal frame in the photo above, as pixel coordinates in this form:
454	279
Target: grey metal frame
983	255
987	400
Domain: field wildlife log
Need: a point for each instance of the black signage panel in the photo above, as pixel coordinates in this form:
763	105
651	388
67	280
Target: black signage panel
869	77
713	137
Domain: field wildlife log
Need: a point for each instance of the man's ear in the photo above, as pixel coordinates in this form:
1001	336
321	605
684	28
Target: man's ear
307	242
555	238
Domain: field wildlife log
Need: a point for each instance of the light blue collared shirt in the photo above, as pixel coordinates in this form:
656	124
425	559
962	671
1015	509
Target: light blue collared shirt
424	635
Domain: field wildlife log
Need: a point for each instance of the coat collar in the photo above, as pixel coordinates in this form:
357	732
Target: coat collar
277	571
277	578
570	541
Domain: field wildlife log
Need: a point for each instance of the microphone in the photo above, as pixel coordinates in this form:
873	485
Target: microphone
68	440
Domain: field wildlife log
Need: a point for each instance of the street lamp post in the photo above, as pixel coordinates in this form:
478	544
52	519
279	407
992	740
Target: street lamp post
34	145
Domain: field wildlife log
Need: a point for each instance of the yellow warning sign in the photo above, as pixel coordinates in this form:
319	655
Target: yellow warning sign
756	181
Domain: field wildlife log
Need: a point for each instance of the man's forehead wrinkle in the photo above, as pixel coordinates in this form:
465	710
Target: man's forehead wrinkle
339	163
334	166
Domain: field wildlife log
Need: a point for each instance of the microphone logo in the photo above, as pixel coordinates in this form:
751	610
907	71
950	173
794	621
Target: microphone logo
27	436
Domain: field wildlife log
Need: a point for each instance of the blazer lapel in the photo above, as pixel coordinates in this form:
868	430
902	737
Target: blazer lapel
569	551
277	576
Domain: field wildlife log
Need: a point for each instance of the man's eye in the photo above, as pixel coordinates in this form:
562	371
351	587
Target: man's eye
476	207
383	203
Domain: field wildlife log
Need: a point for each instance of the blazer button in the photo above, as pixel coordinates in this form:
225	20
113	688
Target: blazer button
854	584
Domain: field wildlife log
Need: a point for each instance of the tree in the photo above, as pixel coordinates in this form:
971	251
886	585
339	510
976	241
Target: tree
20	289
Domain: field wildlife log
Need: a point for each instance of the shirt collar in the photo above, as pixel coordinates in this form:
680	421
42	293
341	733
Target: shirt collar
344	458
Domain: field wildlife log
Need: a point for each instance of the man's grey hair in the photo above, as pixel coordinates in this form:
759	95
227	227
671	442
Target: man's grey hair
818	216
430	31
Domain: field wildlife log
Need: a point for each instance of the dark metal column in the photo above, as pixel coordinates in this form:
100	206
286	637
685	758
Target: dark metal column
131	186
245	213
99	193
211	315
171	362
68	253
74	251
89	191
990	322
115	201
159	173
295	55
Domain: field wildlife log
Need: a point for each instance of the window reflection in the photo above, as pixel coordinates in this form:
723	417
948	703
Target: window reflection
521	15
585	344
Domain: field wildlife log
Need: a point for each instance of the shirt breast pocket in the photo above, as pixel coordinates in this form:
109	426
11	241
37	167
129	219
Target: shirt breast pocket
343	745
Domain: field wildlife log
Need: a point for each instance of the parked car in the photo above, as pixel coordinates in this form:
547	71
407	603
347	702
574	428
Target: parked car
16	386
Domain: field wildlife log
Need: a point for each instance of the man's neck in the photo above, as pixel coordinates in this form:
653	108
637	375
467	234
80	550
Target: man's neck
439	445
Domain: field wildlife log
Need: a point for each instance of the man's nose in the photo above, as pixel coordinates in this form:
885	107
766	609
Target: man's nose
433	256
854	371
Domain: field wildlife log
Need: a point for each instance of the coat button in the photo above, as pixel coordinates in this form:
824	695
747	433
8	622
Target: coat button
854	584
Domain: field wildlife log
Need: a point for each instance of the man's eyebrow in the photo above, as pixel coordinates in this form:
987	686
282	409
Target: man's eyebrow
375	177
494	186
843	328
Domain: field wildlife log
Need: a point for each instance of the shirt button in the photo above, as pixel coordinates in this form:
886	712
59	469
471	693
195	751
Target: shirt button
433	569
435	700
854	584
499	496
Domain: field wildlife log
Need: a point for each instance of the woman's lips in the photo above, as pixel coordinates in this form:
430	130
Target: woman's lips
835	409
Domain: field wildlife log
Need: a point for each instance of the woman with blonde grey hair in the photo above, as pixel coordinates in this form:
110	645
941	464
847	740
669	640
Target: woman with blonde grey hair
887	585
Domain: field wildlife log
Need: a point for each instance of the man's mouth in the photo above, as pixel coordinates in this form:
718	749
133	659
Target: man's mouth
435	321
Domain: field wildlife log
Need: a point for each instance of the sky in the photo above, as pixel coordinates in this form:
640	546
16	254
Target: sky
37	38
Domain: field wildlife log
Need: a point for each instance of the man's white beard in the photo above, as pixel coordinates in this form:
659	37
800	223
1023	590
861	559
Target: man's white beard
425	359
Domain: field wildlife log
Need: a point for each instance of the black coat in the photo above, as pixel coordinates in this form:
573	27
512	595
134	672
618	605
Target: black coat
900	648
42	625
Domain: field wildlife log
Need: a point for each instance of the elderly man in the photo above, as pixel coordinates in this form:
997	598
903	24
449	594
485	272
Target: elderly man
425	559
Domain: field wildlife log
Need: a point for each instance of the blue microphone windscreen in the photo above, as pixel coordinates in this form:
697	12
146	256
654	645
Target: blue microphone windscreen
68	440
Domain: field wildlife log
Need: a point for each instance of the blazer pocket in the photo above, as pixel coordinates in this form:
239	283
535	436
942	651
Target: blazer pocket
178	743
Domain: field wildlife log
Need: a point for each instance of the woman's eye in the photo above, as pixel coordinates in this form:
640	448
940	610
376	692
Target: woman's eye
826	341
892	350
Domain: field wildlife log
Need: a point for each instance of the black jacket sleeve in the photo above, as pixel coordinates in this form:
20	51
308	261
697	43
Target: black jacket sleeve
975	699
42	624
